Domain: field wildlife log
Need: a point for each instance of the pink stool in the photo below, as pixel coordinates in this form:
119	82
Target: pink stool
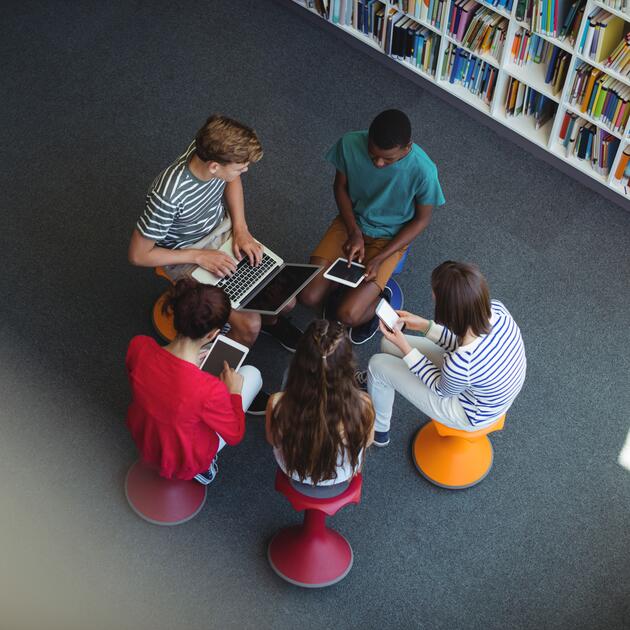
312	555
162	501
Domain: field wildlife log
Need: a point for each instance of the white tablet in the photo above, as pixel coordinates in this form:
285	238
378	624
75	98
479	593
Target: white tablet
340	272
224	349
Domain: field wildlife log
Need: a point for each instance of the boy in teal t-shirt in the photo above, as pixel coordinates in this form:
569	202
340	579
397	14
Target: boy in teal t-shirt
385	188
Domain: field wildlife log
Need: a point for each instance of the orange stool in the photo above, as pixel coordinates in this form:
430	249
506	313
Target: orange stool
163	323
451	458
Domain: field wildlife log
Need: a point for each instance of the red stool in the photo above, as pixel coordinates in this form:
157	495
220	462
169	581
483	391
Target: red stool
162	322
312	555
451	458
162	501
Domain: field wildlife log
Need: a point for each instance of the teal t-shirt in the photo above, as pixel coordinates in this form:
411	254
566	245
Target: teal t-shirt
384	199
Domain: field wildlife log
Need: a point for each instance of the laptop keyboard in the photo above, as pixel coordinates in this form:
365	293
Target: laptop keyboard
245	277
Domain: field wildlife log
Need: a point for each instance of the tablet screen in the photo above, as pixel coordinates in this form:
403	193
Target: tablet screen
220	352
341	270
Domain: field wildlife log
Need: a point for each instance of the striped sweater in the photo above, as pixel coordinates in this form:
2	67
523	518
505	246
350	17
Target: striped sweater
181	209
486	375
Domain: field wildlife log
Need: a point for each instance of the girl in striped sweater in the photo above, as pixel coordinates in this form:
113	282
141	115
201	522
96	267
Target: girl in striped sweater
466	367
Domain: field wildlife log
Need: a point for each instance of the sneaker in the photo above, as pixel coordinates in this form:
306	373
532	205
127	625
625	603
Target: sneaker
259	404
381	438
208	477
284	332
365	332
361	378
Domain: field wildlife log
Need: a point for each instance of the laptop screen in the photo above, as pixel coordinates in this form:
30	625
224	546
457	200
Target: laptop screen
285	284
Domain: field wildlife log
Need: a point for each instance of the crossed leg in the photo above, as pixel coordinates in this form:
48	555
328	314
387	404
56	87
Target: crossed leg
357	305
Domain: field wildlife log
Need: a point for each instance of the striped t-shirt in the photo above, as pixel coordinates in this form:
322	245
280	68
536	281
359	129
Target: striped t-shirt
486	375
181	209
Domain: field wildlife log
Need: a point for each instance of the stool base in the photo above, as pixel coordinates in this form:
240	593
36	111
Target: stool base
162	323
454	463
310	561
162	501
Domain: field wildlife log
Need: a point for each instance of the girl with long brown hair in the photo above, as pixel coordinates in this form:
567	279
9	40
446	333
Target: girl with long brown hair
322	423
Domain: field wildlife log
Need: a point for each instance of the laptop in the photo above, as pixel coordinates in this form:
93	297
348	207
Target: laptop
265	289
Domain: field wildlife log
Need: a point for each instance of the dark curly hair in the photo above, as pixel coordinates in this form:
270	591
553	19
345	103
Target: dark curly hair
197	308
322	413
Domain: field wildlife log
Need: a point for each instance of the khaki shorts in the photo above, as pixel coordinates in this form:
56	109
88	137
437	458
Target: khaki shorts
330	248
212	240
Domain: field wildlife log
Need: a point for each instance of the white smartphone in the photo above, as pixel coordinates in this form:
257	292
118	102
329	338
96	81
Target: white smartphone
388	316
224	349
351	276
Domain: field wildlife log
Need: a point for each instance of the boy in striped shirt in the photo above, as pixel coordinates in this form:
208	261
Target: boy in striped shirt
185	220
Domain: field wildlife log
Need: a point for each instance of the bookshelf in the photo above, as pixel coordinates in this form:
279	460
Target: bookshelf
507	74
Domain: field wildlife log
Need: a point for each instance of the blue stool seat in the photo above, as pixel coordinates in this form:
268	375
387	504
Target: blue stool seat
398	298
401	263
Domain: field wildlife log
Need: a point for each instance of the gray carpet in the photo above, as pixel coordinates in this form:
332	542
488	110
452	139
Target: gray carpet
97	99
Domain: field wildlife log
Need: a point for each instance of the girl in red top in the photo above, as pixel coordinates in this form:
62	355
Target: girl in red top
181	416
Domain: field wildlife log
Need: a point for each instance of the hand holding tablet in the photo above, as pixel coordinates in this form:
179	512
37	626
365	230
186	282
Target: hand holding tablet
350	274
224	349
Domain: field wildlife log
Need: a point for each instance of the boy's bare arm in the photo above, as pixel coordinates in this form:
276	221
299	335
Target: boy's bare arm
143	252
354	247
407	234
242	241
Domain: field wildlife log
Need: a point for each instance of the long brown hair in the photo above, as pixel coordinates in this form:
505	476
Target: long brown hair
322	412
462	299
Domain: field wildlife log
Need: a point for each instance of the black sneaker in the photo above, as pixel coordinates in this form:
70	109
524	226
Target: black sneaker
365	332
361	378
284	332
259	404
381	438
206	478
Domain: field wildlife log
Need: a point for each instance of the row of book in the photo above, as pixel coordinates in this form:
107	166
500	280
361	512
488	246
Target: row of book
528	47
413	43
403	37
464	68
430	11
483	31
501	4
601	97
622	172
522	100
556	18
587	141
619	59
620	5
557	68
602	32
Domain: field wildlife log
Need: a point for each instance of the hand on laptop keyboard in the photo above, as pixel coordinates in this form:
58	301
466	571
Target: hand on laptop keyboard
245	245
217	262
245	277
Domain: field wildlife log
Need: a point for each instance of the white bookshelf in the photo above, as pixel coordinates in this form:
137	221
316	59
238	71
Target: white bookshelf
531	74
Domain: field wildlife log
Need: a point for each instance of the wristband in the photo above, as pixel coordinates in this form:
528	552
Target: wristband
426	332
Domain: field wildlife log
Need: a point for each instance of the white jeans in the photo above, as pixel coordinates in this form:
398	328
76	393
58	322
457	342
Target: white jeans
252	384
388	374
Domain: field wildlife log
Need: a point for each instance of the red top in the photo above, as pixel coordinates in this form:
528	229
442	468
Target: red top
177	411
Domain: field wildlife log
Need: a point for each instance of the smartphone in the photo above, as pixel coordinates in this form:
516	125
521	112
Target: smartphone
224	349
339	271
388	316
